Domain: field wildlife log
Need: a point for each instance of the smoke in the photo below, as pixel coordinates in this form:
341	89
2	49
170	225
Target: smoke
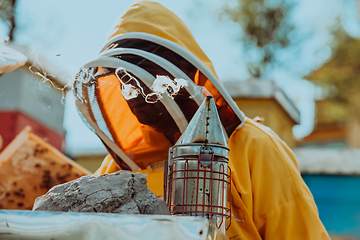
37	69
131	88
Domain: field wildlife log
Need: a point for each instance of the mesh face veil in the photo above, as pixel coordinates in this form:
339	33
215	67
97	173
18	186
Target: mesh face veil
116	99
141	92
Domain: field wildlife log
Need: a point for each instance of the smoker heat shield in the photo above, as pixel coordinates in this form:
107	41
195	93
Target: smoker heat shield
116	97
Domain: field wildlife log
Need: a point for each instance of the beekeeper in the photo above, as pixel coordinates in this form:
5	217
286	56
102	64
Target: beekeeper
126	98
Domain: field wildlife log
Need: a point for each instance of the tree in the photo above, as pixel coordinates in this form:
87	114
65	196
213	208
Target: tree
340	78
266	28
7	14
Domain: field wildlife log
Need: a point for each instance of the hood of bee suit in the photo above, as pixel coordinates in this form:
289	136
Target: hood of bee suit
146	84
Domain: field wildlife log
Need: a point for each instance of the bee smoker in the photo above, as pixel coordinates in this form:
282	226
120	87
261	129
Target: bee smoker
197	175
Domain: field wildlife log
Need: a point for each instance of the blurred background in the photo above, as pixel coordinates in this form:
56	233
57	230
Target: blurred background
293	64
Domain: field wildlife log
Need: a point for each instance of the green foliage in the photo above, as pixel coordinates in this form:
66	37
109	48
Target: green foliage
340	76
5	9
266	29
7	14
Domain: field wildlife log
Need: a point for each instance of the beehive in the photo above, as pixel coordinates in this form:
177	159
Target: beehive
29	167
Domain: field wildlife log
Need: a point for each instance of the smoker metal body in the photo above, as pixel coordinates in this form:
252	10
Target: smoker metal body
198	175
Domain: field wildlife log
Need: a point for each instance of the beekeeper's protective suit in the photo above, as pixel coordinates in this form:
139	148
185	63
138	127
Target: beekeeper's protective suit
117	98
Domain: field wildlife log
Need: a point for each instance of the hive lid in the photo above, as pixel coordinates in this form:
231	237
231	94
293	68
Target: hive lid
10	59
205	126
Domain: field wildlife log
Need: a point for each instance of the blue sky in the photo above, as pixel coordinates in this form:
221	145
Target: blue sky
78	29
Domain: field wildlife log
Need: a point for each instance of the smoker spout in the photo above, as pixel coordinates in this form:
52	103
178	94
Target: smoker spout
205	126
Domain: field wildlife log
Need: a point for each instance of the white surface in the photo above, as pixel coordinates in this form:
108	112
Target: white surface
93	226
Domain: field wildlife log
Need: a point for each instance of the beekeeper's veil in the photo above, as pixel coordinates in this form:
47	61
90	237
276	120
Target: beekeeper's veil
136	118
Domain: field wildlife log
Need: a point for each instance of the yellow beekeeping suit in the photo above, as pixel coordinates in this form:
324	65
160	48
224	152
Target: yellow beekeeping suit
269	198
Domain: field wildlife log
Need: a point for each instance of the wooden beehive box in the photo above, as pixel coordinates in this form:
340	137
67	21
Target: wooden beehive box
29	167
